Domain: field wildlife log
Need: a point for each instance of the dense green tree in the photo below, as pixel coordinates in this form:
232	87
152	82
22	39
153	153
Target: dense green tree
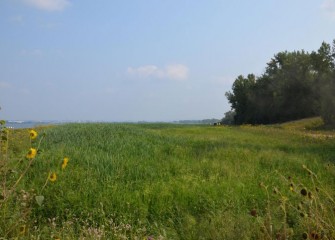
294	85
229	118
324	66
239	97
294	97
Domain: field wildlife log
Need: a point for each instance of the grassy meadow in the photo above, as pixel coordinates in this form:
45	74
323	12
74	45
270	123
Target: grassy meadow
166	181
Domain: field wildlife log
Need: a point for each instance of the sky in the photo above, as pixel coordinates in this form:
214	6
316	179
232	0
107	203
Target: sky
144	60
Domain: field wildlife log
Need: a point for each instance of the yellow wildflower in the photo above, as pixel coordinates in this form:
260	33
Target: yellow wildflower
291	187
31	153
64	166
52	177
65	161
33	134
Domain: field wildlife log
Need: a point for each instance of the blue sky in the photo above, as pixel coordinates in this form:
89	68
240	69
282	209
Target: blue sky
152	60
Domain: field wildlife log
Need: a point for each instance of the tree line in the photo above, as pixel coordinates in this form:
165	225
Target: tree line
294	85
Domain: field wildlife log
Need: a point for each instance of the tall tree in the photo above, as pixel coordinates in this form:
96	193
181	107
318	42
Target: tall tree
239	97
294	85
324	66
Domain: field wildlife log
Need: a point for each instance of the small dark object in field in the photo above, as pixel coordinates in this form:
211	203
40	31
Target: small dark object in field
253	212
304	235
303	192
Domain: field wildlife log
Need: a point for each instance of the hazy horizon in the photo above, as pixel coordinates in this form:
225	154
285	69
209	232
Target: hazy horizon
129	61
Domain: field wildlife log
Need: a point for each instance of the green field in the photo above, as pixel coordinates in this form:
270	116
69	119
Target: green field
166	181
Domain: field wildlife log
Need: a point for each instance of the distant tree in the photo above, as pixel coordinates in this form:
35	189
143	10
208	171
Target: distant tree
262	100
324	66
239	97
294	85
293	80
323	59
328	102
228	118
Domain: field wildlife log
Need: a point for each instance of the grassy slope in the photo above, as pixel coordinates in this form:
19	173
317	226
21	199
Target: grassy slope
175	181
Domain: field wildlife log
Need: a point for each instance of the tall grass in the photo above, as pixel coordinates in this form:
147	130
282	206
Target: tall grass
162	181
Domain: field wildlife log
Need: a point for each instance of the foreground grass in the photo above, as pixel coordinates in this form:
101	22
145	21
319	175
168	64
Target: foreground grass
163	181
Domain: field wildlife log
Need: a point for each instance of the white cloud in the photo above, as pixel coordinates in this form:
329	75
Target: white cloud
146	71
177	71
328	6
173	72
49	5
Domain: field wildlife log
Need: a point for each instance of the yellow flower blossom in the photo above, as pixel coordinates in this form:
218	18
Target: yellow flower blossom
31	153
65	161
52	177
64	166
33	134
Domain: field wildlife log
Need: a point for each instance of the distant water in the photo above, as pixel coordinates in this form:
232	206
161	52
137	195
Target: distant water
28	124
